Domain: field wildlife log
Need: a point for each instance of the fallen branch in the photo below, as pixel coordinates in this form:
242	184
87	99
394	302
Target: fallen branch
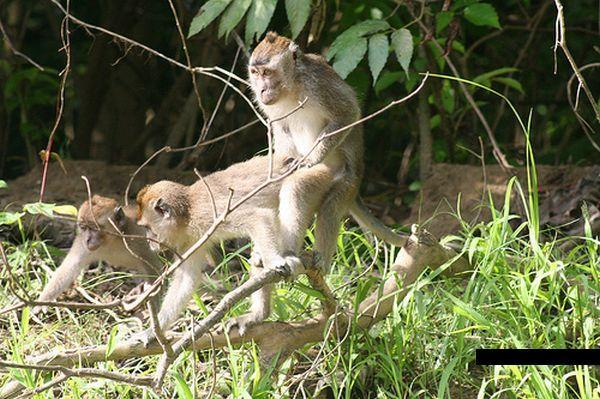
282	338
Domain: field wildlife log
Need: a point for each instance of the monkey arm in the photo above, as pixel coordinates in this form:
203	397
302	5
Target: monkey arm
74	263
327	144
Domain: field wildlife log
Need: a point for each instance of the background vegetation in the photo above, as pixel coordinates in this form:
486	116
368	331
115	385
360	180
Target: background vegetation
122	103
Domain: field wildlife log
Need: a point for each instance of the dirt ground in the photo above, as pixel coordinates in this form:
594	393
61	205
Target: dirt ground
560	188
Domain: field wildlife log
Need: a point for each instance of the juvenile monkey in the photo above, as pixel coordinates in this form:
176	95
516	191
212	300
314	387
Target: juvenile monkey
282	77
180	215
101	242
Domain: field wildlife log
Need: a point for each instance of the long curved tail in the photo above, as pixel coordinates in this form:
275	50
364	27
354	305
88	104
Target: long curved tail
367	221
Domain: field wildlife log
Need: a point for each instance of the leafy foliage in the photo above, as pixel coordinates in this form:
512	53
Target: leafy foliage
298	12
482	14
403	46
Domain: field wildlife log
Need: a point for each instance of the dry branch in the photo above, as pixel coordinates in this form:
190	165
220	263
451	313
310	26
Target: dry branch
421	250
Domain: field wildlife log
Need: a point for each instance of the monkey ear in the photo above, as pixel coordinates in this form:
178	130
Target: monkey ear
119	216
295	50
162	208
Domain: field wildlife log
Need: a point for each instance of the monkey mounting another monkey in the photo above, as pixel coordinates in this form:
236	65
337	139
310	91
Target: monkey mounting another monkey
282	77
97	240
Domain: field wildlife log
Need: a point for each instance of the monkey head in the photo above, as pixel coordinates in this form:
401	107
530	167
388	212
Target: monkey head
271	68
93	222
162	208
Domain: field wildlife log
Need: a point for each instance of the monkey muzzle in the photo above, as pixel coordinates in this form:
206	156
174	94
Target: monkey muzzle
93	241
267	96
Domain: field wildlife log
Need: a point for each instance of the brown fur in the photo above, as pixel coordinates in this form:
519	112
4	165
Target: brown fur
330	104
181	215
106	246
271	45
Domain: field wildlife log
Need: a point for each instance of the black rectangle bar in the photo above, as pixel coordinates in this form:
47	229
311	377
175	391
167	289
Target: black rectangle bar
532	357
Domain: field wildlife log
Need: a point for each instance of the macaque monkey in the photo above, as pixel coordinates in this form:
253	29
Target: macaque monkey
282	77
101	242
180	215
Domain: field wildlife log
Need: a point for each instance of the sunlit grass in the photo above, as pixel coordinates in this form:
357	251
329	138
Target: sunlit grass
524	292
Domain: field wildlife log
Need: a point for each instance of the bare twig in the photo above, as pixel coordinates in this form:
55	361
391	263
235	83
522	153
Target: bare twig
498	154
66	41
189	64
587	128
15	51
83	372
561	41
158	333
210	194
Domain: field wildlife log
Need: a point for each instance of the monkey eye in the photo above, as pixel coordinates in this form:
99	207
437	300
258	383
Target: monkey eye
253	71
267	72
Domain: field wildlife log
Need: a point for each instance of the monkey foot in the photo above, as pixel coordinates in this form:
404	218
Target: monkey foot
243	323
289	267
255	259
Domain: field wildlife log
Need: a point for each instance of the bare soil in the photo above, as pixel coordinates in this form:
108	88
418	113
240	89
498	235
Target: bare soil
470	191
452	190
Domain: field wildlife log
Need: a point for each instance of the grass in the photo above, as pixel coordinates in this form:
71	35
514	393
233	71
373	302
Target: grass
519	296
525	292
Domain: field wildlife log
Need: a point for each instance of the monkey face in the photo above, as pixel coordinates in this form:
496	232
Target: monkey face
266	83
158	221
92	236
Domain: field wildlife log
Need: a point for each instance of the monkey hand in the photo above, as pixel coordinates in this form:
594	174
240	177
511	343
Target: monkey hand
39	309
289	267
295	164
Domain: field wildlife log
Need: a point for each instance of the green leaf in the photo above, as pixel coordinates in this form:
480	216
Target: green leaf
232	16
25	320
65	210
442	20
112	341
482	14
258	18
208	12
297	13
435	121
414	186
510	82
378	54
402	42
182	387
8	218
443	385
349	57
355	32
39	208
3	184
447	97
387	79
492	74
309	291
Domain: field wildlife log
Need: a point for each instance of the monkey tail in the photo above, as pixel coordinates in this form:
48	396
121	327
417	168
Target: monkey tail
367	221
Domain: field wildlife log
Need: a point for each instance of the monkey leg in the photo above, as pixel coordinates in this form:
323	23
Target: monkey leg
77	260
260	307
299	198
266	237
329	218
184	283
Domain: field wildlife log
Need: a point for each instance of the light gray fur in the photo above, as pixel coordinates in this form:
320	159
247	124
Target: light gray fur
185	214
331	104
111	250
